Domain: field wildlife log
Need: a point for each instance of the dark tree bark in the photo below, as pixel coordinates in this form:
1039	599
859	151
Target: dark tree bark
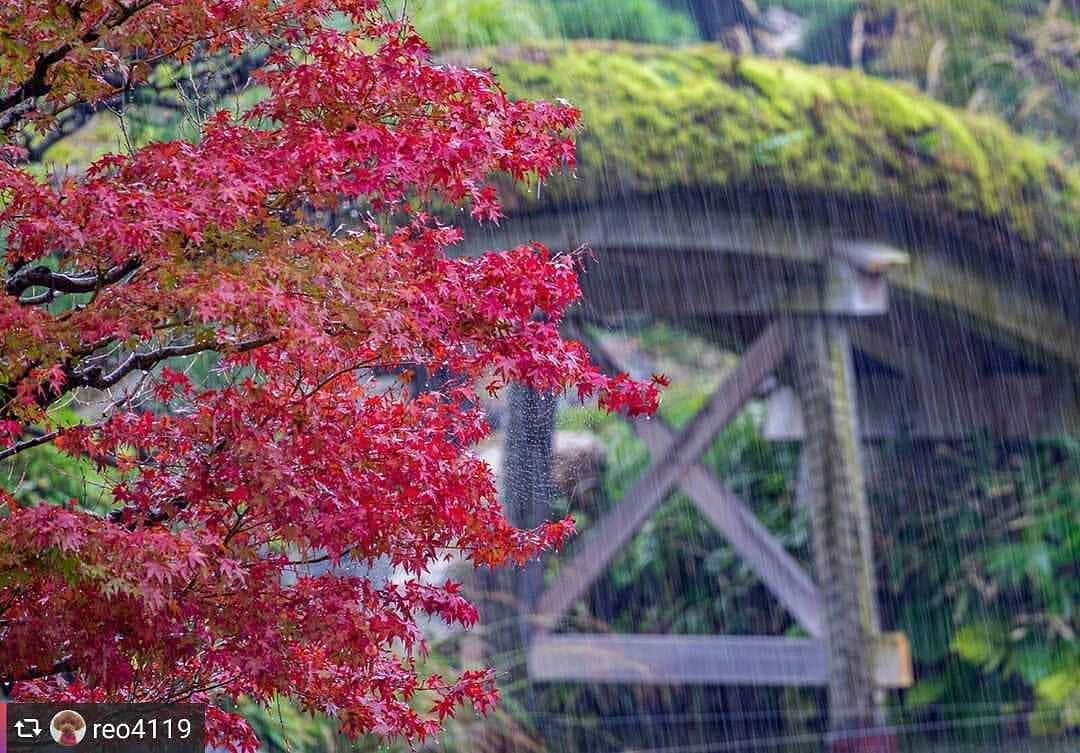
716	17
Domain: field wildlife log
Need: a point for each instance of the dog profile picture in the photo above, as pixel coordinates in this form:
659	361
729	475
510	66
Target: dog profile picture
68	727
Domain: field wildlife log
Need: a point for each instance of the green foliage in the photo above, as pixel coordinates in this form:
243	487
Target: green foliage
283	728
633	20
1035	567
1014	58
979	565
982	643
462	24
46	475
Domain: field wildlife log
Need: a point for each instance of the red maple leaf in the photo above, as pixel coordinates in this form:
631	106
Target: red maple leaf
287	452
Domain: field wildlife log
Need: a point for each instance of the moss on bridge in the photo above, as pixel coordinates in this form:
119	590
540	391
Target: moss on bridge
660	119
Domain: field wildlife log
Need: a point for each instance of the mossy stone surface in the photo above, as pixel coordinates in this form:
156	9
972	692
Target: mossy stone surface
660	118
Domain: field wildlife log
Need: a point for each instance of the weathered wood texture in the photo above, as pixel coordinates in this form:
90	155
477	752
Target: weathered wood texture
927	377
999	309
778	570
627	283
1007	406
650	227
705	660
839	518
616	528
684	244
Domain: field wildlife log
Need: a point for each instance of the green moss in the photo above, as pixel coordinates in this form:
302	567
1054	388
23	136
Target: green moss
788	87
658	118
101	136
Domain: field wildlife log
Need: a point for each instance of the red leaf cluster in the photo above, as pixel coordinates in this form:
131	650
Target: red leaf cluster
201	583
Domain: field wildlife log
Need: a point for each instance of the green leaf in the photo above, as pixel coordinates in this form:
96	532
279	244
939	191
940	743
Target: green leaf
982	643
925	693
1060	686
1032	663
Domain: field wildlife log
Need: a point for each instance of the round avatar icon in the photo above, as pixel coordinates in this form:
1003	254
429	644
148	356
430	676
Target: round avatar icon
68	727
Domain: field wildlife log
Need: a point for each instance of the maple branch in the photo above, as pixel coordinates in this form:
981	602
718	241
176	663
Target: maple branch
56	282
334	375
213	83
26	444
320	559
92	376
64	666
21	100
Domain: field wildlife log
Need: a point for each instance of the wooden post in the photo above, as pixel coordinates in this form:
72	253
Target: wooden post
840	522
506	596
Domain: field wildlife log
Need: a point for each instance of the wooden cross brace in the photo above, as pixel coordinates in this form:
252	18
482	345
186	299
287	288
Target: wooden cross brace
698	659
668	470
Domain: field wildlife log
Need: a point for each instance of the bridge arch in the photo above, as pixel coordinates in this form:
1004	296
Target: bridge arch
899	266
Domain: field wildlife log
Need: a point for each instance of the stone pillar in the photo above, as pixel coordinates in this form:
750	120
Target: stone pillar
840	520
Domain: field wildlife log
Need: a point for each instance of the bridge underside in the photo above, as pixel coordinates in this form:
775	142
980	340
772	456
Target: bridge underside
862	339
944	345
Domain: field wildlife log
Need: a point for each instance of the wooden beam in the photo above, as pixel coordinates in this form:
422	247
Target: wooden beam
1008	314
1000	311
778	570
654	227
616	528
704	660
911	353
624	283
1005	405
840	518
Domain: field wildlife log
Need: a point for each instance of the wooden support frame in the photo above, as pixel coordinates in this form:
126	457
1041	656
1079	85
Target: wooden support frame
1010	316
729	269
613	531
782	575
840	520
927	392
718	263
704	660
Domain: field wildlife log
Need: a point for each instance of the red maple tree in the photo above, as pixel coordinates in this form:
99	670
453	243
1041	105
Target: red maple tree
195	585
